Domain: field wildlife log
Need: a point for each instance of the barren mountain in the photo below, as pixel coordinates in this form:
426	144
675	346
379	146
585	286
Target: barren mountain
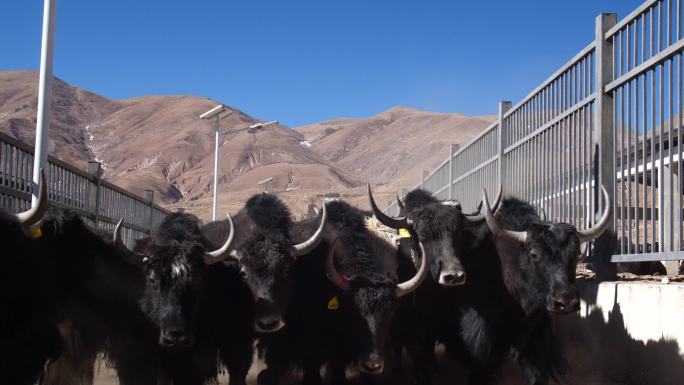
393	146
159	143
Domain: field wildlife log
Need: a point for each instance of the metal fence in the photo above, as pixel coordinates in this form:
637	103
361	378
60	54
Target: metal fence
612	114
100	203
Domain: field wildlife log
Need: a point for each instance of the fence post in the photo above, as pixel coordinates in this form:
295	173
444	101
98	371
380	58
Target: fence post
95	169
149	197
504	106
453	149
604	147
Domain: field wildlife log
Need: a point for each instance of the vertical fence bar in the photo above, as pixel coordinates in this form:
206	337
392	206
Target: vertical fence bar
502	133
95	169
603	115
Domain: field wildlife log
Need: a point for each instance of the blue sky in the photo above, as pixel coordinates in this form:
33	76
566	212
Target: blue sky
305	61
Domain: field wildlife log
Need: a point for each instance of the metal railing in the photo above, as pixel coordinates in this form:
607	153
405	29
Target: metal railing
612	114
99	202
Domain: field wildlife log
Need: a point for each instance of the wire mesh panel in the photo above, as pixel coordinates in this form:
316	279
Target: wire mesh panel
647	97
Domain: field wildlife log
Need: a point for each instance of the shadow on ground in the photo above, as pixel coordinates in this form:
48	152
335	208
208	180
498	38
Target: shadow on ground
599	353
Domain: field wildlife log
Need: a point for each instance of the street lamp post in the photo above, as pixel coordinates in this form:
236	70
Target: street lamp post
215	113
44	95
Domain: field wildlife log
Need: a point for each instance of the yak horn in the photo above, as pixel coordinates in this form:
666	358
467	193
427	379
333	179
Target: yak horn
310	244
335	276
222	253
400	204
542	213
35	213
131	256
595	231
495	227
479	218
395	223
412	284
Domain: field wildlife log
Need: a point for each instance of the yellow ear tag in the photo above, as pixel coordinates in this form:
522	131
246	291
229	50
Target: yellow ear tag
36	233
404	233
333	304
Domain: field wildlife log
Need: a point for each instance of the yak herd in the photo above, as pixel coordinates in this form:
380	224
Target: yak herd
346	290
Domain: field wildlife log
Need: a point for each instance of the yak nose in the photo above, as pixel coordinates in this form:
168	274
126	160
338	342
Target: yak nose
373	364
269	324
452	278
174	338
567	301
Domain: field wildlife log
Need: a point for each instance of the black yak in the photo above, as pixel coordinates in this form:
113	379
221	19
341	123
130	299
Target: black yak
29	333
266	254
200	307
343	304
519	273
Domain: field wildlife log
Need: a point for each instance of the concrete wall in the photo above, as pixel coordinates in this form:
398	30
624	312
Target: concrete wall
626	333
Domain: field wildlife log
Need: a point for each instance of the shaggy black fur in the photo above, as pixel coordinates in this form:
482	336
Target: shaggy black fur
28	319
326	324
263	244
198	310
98	293
439	228
502	308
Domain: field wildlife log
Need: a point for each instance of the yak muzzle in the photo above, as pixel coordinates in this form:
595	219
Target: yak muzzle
452	278
175	339
373	364
564	302
269	325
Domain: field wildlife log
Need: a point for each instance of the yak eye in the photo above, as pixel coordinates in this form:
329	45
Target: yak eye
534	255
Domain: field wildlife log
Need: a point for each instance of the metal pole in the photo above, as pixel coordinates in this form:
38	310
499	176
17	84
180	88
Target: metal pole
216	167
44	95
604	143
502	137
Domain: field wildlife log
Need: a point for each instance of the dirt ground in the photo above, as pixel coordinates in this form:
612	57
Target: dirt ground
449	372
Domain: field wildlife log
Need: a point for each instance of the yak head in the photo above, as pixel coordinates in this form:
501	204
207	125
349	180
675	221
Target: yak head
438	226
539	259
368	292
176	261
267	259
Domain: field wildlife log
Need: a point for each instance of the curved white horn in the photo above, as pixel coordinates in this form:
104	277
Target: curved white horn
310	244
412	284
35	213
595	231
331	272
498	230
132	256
395	223
224	252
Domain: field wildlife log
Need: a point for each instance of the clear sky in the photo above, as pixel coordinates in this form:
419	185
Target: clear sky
306	61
